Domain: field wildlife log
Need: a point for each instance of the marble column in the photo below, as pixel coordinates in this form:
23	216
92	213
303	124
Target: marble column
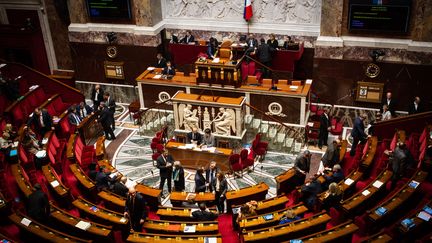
77	11
331	17
422	29
147	12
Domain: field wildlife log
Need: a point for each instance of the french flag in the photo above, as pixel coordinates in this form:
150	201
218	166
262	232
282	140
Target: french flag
248	10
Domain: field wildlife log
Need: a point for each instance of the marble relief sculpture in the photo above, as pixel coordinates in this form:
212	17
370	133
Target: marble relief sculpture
188	117
224	121
265	11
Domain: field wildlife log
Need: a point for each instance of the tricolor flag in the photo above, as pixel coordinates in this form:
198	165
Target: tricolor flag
248	10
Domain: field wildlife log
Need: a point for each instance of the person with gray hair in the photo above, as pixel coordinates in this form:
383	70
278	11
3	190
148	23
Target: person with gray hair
178	177
302	166
336	175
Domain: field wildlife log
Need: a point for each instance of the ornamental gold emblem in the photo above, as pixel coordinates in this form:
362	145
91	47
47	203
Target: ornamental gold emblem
372	70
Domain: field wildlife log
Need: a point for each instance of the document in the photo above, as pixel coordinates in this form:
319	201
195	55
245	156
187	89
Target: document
377	184
41	154
44	140
348	181
157	76
216	60
123	219
83	225
26	221
365	193
210	240
293	87
55	183
189	229
151	68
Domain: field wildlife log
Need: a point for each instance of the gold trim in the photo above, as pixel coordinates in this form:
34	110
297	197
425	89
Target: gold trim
111	51
372	70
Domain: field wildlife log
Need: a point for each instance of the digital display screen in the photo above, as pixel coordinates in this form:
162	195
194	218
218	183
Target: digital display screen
379	16
110	9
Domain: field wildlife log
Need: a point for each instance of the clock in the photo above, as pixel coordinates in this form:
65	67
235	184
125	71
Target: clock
372	70
111	51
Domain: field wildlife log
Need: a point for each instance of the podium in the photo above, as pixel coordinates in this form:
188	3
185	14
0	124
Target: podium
221	72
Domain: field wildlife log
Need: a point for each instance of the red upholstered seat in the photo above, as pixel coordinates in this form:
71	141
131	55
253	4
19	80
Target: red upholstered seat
235	163
84	155
337	127
40	95
160	148
59	105
245	160
153	146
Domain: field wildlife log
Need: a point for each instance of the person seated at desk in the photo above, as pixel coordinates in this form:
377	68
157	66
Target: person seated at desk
189	38
289	216
30	142
41	121
73	117
288	43
92	171
336	176
272	42
11	131
119	187
161	61
168	70
38	207
5	142
310	191
200	181
252	42
174	39
194	137
103	179
212	48
332	197
203	214
208	139
331	155
84	110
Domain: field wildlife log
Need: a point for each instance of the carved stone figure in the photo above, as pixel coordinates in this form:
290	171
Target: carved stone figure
224	121
190	118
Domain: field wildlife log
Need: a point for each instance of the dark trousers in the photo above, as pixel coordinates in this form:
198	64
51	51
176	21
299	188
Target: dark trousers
356	141
109	134
266	72
322	139
220	202
135	224
162	182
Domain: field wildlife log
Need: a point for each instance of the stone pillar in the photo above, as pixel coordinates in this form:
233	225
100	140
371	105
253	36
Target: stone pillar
421	27
78	11
331	17
147	12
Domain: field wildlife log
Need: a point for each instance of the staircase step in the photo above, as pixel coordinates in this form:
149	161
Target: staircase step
289	142
281	137
256	123
248	119
297	147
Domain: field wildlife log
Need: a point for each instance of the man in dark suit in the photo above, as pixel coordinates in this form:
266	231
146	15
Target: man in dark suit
211	175
110	102
252	42
415	106
41	121
358	133
120	188
73	117
203	214
84	110
391	104
105	118
325	127
164	163
189	38
169	69
336	176
135	210
194	136
310	191
103	179
38	207
97	96
161	62
302	166
264	54
331	156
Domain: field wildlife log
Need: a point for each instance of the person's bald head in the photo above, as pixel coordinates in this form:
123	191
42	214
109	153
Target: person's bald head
132	191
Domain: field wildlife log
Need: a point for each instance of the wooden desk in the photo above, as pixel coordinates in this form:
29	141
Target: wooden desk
151	195
393	203
339	233
292	230
177	213
370	154
197	158
343	150
177	198
270	204
113	201
102	215
43	232
70	154
83	179
21	179
224	72
177	228
100	148
285	182
362	199
89	129
159	238
379	237
257	221
52	178
347	187
98	231
241	196
419	224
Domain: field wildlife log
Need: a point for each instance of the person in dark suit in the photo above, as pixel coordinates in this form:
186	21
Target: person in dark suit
415	106
169	69
358	133
110	102
119	187
97	96
41	121
302	166
325	127
194	136
331	155
105	118
332	197
200	181
211	174
38	207
164	163
212	48
203	214
288	41
73	117
161	62
174	39
398	162
92	171
336	176
220	188
135	209
103	179
272	42
309	192
189	38
391	104
84	110
264	54
178	177
251	41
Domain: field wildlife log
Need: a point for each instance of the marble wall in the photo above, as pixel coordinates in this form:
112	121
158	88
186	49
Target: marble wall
77	11
331	17
99	37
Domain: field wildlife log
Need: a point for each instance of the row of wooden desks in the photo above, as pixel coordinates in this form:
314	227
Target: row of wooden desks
21	179
55	182
158	238
181	228
339	233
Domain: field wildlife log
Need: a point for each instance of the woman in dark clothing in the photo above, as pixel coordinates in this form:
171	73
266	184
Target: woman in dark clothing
200	182
212	48
220	188
178	177
333	196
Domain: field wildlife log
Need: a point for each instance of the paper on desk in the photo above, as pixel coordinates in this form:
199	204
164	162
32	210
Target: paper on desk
377	184
293	87
189	229
83	225
216	60
348	181
157	76
189	146
308	81
151	68
423	215
310	124
2	65
41	154
210	240
55	183
26	221
123	219
365	193
113	175
44	140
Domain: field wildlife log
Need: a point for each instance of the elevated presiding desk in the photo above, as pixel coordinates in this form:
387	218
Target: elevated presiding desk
197	157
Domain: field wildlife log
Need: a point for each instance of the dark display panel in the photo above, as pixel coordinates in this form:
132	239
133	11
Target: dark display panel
109	9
